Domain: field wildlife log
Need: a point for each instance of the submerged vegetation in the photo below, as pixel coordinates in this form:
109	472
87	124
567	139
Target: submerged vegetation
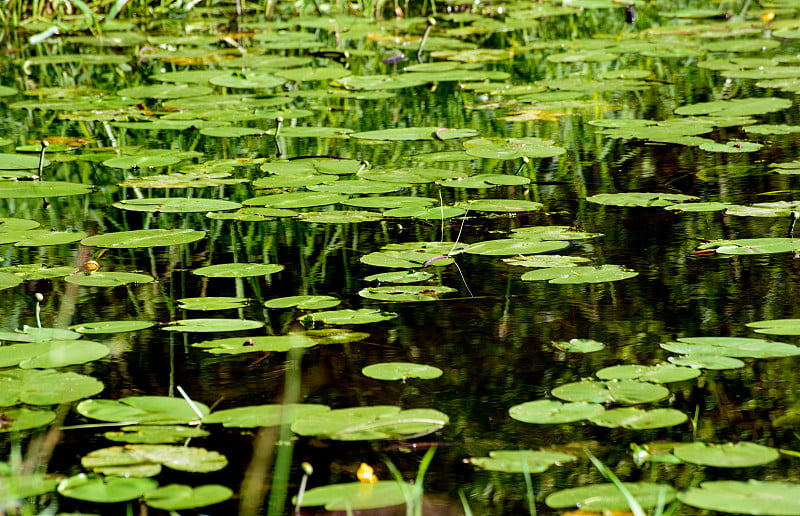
487	258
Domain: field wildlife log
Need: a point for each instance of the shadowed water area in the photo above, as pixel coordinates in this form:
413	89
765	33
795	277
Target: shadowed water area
203	211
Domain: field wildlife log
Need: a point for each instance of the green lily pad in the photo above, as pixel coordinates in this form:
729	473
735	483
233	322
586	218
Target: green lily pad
745	497
348	316
776	326
579	346
620	391
295	200
502	205
238	270
388	201
105	489
662	373
736	107
404	293
401	371
513	148
8	280
303	302
400	277
212	303
638	419
41	189
155	434
355	496
580	274
515	246
415	133
261	344
546	260
264	415
732	347
713	362
340	216
753	246
34	271
14	224
177	205
141	409
20	162
542	412
608	497
144	238
365	423
175	497
211	325
18	419
38	238
145	161
108	279
486	181
511	461
47	387
727	455
640	199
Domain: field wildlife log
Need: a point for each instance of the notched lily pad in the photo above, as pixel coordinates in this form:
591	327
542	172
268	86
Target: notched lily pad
366	423
511	461
401	371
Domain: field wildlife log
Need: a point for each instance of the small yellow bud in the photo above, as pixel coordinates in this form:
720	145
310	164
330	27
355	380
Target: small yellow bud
366	474
768	17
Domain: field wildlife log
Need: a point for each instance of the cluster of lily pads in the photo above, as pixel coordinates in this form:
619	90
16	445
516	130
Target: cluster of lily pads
265	88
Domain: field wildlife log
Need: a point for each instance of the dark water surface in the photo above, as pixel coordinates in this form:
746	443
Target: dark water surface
493	338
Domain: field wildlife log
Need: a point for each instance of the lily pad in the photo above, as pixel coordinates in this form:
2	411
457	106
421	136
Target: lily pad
303	302
261	344
579	346
264	415
142	409
108	279
211	325
776	326
175	497
712	362
177	205
18	419
401	371
745	497
404	293
732	347
238	270
580	274
543	412
663	373
41	189
105	489
621	391
15	487
355	496
608	497
212	303
144	238
348	316
753	246
415	133
727	455
155	434
637	419
511	461
640	199
376	422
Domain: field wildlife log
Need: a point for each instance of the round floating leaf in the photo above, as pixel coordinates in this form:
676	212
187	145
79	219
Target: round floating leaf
377	422
502	205
295	200
486	181
37	238
100	327
394	201
736	107
360	316
750	497
15	487
175	497
415	133
18	419
663	373
212	303
143	434
608	497
60	353
8	280
437	213
303	302
20	162
48	387
41	189
402	176
513	148
640	199
753	246
231	132
33	271
581	274
554	412
552	233
181	458
14	224
699	207
105	489
262	344
579	345
108	279
238	270
732	147
623	391
144	238
250	80
177	205
402	293
553	260
340	216
776	326
264	415
307	74
511	461
165	91
400	277
637	419
727	455
732	347
355	496
713	362
146	161
211	325
515	246
401	371
142	409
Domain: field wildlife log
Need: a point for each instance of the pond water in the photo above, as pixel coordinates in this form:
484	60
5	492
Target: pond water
459	148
